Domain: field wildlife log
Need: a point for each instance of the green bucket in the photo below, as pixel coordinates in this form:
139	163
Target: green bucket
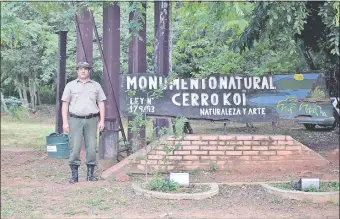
57	145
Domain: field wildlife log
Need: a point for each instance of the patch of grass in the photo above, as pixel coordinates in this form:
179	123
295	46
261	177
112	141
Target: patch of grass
324	187
7	201
276	200
93	202
195	171
336	203
15	206
7	211
74	211
24	134
93	191
93	199
104	207
35	214
286	186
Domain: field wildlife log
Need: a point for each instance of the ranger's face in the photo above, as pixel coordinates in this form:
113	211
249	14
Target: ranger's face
83	73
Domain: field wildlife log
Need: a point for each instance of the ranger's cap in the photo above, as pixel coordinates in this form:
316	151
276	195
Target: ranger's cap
84	65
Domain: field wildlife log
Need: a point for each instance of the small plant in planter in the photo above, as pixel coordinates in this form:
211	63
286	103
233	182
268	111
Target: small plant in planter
162	185
213	167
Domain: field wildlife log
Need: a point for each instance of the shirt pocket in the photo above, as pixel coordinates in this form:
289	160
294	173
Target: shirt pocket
93	93
75	94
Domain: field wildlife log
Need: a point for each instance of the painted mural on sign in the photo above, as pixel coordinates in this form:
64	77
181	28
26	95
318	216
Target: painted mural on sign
225	97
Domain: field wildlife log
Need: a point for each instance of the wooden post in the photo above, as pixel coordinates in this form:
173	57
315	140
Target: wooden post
162	56
85	40
61	79
137	64
111	50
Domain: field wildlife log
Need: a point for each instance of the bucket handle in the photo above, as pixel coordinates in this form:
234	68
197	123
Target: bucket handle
58	134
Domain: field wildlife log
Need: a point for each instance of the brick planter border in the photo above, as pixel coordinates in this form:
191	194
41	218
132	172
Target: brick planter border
178	196
229	152
226	151
317	197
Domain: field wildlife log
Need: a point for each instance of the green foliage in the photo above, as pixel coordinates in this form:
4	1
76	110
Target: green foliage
47	94
137	123
158	93
330	15
15	108
312	188
206	38
312	26
195	171
29	44
212	167
179	124
334	186
162	185
292	180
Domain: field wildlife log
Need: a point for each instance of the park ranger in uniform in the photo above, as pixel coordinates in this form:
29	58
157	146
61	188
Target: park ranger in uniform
83	113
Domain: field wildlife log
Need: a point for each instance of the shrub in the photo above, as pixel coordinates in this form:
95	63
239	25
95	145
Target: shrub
162	185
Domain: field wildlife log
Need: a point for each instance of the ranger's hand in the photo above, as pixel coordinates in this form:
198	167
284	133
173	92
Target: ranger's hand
101	125
66	128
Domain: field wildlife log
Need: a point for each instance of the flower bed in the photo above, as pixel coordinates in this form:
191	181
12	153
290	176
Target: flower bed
287	191
195	191
324	187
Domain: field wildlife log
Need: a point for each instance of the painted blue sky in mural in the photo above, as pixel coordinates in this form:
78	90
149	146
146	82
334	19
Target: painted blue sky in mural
295	90
273	97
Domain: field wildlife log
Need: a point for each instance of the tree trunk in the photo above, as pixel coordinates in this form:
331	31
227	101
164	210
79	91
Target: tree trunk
170	36
18	88
162	49
20	93
305	53
3	103
157	36
24	92
39	98
32	86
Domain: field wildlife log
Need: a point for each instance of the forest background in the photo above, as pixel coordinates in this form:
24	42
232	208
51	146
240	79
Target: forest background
250	38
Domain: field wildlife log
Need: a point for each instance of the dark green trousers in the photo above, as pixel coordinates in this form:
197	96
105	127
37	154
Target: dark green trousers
79	129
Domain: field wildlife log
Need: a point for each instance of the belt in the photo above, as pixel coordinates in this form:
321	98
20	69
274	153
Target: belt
84	117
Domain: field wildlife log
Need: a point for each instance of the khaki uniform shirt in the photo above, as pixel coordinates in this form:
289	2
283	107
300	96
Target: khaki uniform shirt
83	97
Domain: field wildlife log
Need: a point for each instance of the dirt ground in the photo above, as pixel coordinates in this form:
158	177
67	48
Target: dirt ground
34	185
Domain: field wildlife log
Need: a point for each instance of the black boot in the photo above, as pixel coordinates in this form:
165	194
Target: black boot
90	170
74	177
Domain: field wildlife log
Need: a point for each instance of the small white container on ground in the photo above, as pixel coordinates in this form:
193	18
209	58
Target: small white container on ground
181	178
307	183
